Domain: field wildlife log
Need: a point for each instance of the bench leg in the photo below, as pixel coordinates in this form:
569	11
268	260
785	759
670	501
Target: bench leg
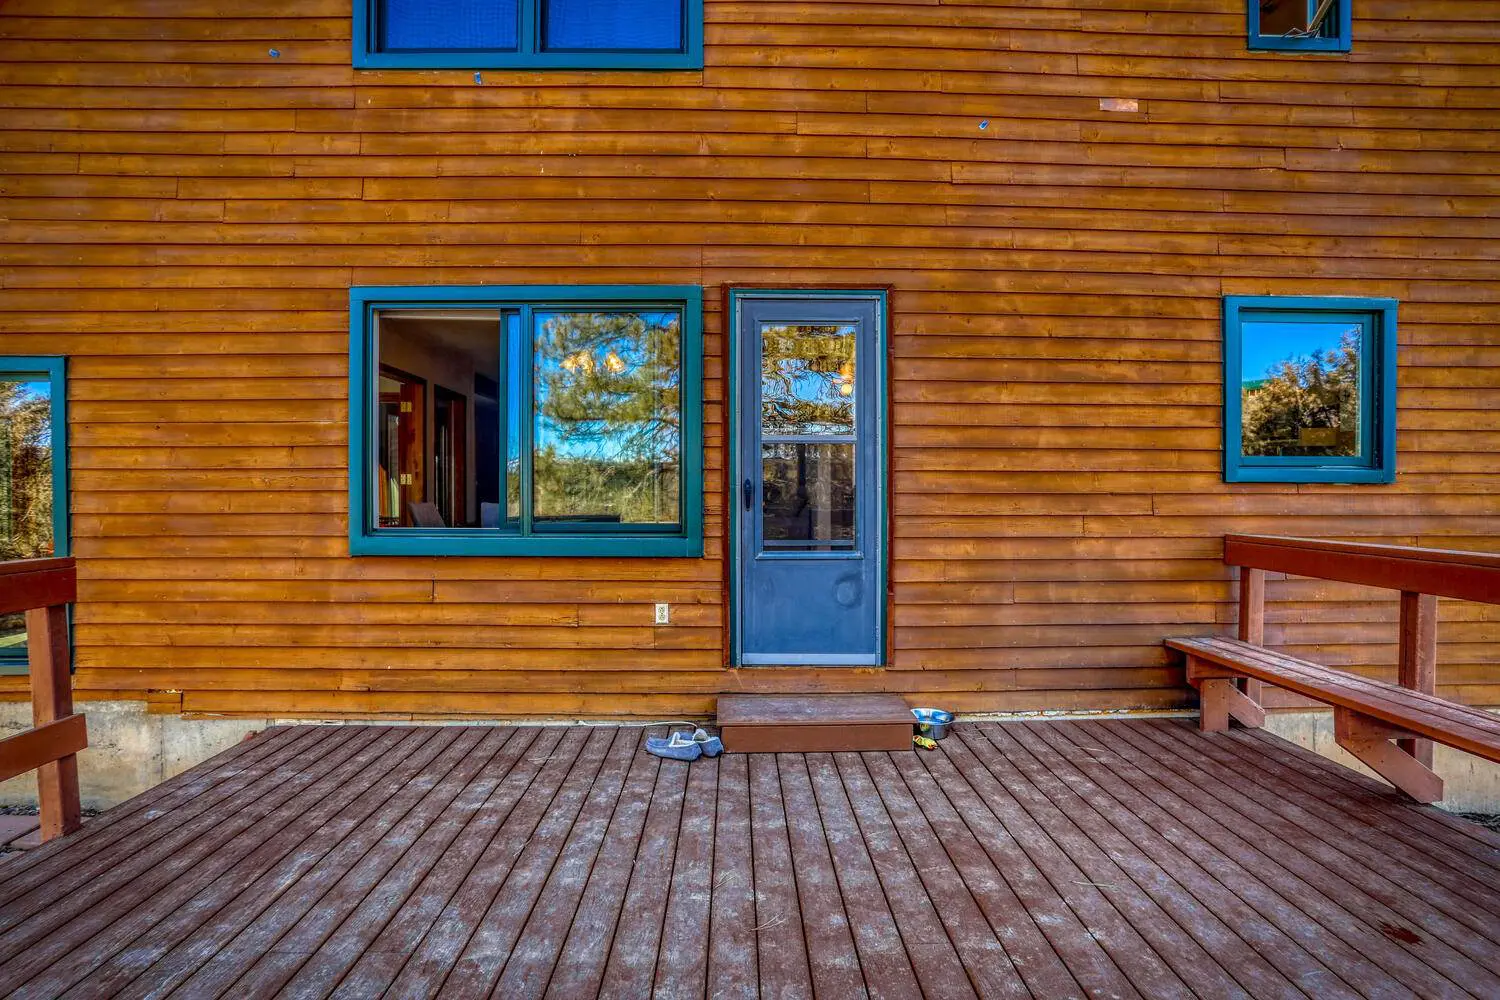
1220	698
1370	740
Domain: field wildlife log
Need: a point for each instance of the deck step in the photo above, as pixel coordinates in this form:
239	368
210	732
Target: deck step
763	723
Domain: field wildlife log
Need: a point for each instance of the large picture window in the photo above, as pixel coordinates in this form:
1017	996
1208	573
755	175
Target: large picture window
1309	390
528	34
544	421
33	477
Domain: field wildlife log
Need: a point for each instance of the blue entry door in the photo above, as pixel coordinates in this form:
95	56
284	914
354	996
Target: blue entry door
809	490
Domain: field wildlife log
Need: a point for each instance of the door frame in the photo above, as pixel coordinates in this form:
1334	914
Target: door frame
734	295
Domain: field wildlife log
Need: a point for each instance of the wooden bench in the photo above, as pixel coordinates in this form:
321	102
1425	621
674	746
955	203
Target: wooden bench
1229	674
1367	714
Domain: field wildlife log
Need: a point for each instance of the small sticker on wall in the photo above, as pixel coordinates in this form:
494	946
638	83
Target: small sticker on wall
1119	104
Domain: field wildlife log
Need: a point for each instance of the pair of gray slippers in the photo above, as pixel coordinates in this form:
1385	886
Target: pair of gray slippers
685	746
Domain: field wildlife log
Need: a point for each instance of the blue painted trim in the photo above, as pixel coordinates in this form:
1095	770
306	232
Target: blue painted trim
1340	41
1377	383
732	418
530	55
685	541
53	368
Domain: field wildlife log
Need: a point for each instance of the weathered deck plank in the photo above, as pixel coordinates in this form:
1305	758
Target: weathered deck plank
1039	859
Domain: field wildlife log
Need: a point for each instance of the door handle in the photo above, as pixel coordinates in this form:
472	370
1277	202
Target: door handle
749	490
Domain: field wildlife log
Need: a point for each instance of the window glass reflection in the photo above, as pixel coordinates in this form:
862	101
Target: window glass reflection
807	379
607	440
808	495
1300	389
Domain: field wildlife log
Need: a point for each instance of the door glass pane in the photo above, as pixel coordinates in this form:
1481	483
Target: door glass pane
608	437
439	372
626	25
807	379
447	24
1300	389
808	495
25	483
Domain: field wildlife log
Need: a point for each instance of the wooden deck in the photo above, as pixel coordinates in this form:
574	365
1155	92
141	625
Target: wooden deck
1047	860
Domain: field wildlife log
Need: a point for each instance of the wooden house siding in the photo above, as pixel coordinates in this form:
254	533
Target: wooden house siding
185	209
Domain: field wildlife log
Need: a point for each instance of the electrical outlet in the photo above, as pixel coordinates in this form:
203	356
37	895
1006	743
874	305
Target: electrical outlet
663	615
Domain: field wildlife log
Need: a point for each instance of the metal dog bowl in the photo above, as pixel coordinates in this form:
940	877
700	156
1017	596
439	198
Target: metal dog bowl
932	722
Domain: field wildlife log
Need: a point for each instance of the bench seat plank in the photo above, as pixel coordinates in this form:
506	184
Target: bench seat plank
1468	729
1398	698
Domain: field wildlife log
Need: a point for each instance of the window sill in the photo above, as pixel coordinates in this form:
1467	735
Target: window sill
576	546
1307	474
1272	43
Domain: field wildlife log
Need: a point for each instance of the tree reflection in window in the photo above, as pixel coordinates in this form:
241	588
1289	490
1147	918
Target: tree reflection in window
608	434
807	379
1305	404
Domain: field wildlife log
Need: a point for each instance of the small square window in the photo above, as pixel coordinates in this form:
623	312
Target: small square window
526	421
528	34
1309	390
1299	25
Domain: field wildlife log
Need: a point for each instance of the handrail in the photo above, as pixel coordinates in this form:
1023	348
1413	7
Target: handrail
1468	576
1422	575
43	588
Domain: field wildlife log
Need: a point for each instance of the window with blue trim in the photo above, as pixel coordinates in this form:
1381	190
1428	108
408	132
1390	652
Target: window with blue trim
1299	25
1309	390
526	421
535	34
33	477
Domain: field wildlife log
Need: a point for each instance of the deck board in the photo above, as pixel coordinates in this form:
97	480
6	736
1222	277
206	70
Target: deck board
1057	859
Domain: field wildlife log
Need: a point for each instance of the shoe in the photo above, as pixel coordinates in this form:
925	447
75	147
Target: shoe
676	747
712	745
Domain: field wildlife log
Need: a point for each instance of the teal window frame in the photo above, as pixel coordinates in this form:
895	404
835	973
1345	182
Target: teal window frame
365	539
53	370
1377	460
1342	20
529	54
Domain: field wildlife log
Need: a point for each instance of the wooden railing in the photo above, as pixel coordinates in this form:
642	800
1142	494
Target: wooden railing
43	588
1420	575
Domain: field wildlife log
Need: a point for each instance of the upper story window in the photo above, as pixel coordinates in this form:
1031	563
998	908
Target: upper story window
526	421
528	34
1309	390
1299	25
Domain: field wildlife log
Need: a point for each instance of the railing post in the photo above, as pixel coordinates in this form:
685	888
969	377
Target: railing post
1253	620
52	699
1418	658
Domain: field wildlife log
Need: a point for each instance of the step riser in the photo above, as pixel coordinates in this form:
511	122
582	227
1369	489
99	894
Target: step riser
816	738
751	723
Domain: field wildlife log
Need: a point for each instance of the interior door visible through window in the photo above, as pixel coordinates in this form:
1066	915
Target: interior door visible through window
450	455
810	479
402	406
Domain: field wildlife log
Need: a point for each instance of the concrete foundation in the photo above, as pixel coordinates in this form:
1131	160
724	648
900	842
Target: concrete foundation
130	751
1470	784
